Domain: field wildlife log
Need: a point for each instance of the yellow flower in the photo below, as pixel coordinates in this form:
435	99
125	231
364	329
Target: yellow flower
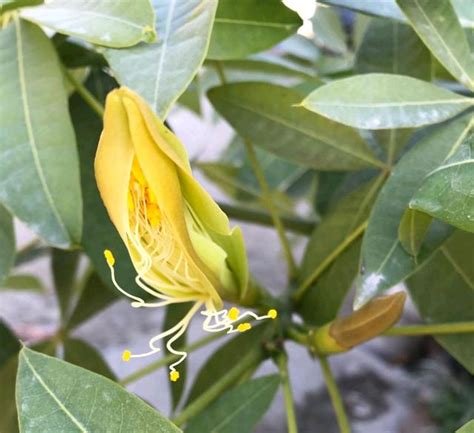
178	238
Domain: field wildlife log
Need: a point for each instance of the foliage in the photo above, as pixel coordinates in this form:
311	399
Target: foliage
369	122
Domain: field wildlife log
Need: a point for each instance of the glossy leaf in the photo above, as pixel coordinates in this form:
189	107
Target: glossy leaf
217	365
23	282
95	297
108	23
328	31
9	344
449	275
64	266
439	28
239	409
39	181
385	8
383	101
7	241
384	261
465	14
447	193
174	313
245	27
160	72
265	114
392	47
49	400
82	354
101	234
393	141
412	230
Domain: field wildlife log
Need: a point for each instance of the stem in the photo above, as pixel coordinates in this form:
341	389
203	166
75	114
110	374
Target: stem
297	336
219	387
88	97
328	260
335	395
268	199
295	224
170	358
282	362
434	329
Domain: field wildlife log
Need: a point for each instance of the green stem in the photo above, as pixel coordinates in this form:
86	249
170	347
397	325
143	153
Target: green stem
294	224
208	396
335	395
328	260
434	329
88	97
170	358
282	363
297	336
268	199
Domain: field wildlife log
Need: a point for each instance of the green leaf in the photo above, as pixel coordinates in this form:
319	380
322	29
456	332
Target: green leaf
383	101
412	230
39	181
49	400
82	354
328	31
7	241
161	72
438	26
174	313
392	47
9	344
239	409
23	282
245	27
101	233
447	193
95	297
384	261
217	365
465	13
467	428
107	23
392	141
265	114
323	300
64	266
385	8
449	275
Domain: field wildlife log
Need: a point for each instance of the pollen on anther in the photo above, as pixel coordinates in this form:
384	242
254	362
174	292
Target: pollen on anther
233	313
244	327
272	313
174	375
109	257
126	355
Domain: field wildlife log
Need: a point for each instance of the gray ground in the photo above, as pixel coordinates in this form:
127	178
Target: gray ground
381	396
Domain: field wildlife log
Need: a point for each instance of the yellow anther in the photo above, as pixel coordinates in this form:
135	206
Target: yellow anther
233	313
126	355
153	214
109	257
150	196
272	313
244	327
174	375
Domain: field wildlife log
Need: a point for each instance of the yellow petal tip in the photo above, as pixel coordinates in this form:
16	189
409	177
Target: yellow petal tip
174	375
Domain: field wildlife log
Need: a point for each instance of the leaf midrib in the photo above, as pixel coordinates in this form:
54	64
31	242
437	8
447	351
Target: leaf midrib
374	162
233	21
29	128
53	395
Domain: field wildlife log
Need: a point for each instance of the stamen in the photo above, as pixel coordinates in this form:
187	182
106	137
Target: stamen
244	327
174	375
233	314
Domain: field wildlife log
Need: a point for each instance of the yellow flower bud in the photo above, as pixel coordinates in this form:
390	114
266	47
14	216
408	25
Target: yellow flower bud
369	322
179	240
